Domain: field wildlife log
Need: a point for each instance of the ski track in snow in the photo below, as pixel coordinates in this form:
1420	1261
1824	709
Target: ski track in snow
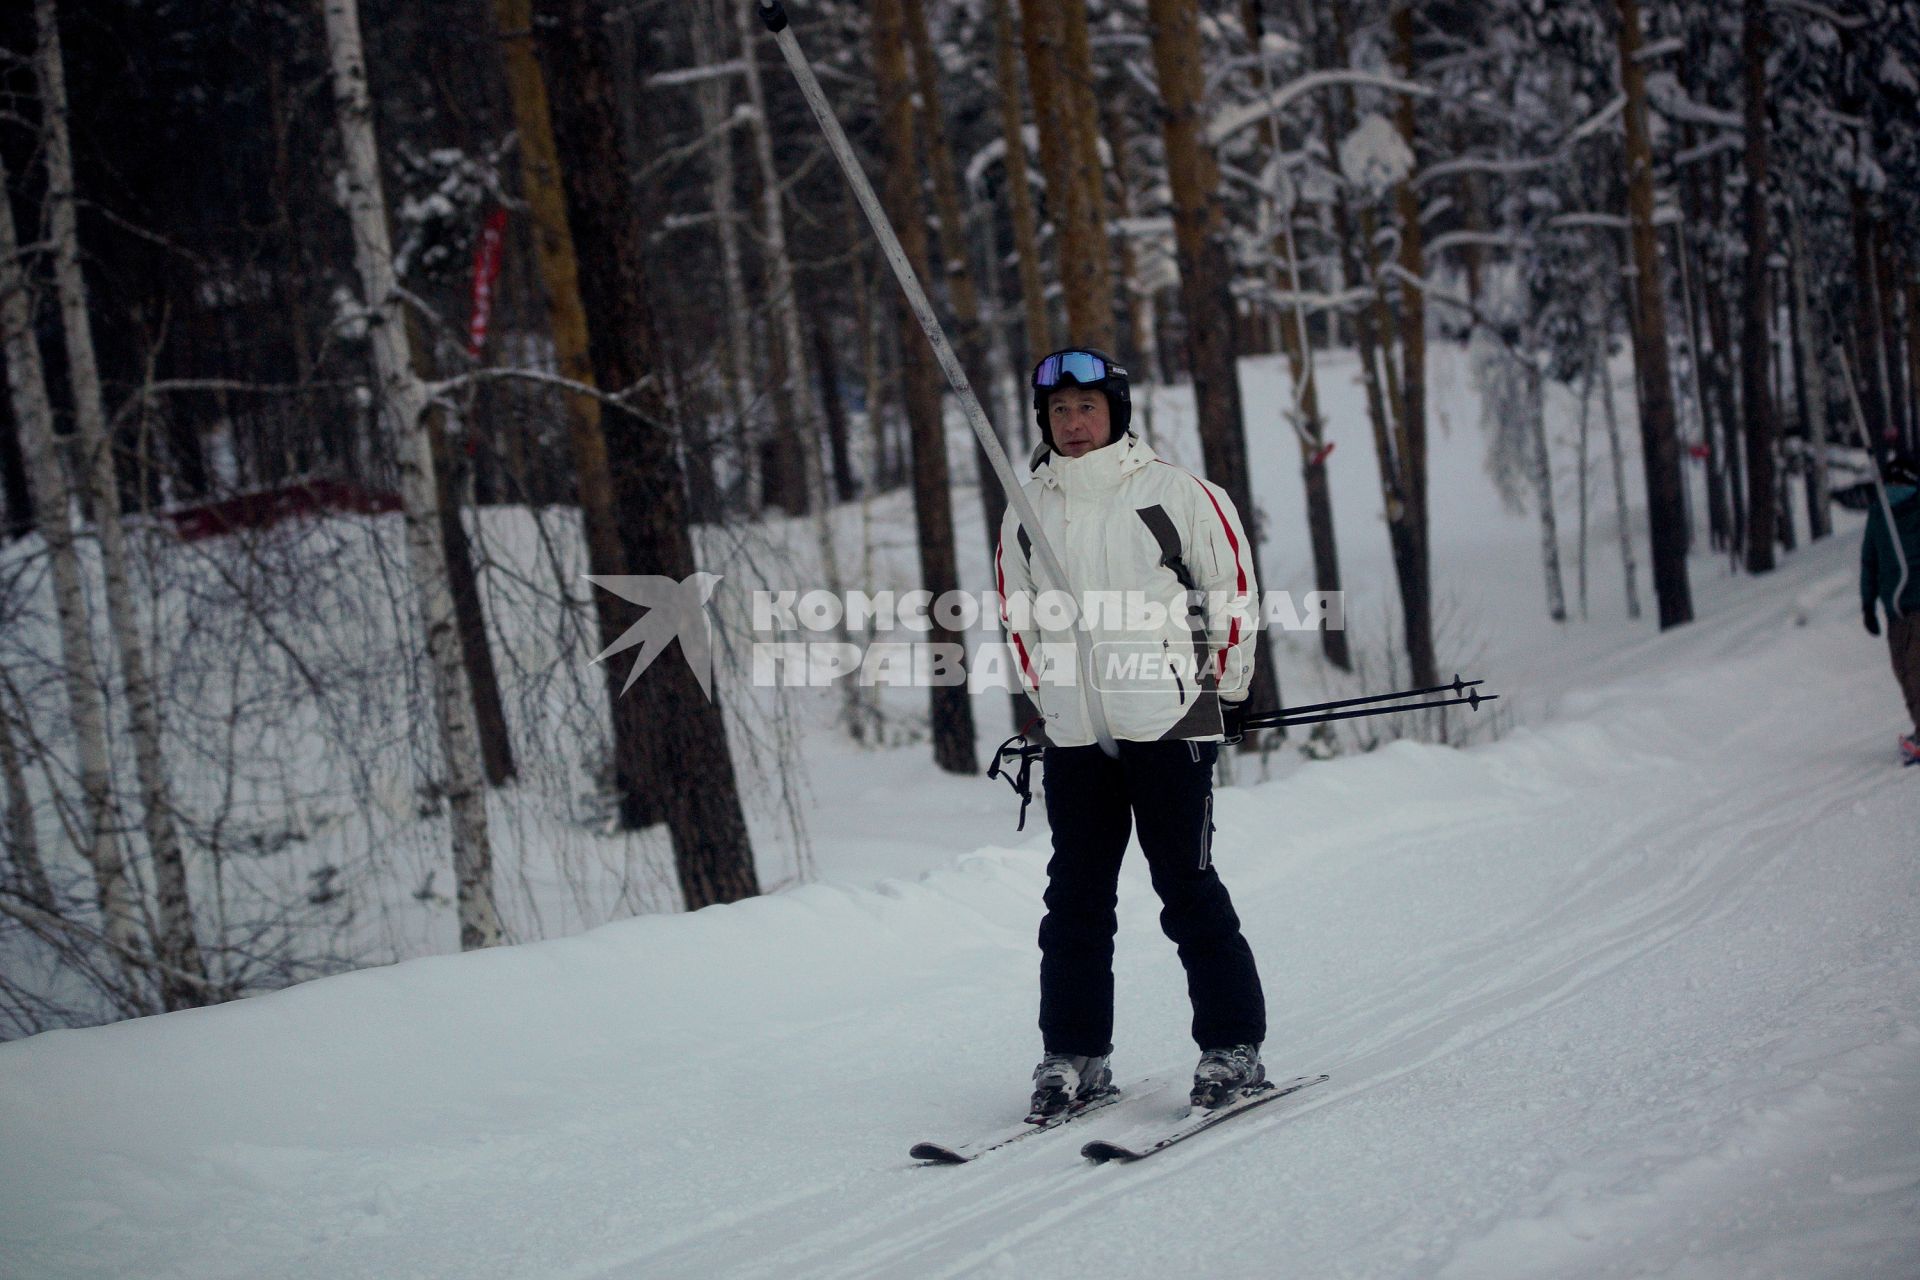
1699	849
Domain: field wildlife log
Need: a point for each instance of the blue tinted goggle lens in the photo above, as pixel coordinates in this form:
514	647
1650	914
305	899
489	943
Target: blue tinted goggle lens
1082	366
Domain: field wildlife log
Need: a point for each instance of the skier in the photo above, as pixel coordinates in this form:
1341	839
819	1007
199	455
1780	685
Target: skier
1125	521
1882	565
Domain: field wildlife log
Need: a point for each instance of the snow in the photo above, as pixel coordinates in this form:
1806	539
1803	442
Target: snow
1631	989
1374	156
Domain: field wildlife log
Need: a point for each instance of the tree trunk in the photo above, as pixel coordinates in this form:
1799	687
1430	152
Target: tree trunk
1720	367
1137	299
1410	445
1810	333
489	711
1026	240
962	298
1585	489
1869	377
1696	360
1762	513
1355	261
403	399
637	795
1628	569
118	901
1205	288
688	739
826	362
1308	424
869	305
183	979
1913	353
29	872
1886	291
1096	258
1666	509
736	383
1543	494
950	707
13	477
1072	177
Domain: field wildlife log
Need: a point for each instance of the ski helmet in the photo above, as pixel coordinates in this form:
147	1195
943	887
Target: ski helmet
1082	367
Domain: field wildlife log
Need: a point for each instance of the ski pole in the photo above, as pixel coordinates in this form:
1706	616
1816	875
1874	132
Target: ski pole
1457	687
1282	719
775	17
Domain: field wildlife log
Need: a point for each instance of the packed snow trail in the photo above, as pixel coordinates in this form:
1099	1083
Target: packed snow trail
1635	990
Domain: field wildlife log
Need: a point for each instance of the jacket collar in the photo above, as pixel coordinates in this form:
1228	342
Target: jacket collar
1097	472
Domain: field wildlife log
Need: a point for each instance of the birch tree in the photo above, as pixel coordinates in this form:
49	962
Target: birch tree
183	979
403	400
114	893
29	870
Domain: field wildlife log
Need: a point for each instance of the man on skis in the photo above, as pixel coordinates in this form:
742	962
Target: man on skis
1886	556
1171	680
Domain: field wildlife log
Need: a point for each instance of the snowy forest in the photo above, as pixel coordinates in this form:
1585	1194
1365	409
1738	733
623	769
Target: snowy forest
351	350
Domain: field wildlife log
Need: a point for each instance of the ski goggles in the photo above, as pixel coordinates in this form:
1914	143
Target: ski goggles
1084	367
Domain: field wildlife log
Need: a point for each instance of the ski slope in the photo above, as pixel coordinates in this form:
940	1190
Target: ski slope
1633	989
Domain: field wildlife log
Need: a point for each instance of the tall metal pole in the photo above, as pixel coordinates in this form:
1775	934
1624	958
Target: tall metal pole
775	17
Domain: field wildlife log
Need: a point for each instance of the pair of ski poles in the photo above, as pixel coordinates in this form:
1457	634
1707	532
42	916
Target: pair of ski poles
1013	759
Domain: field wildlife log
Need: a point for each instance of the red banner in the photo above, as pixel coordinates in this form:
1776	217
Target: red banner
486	274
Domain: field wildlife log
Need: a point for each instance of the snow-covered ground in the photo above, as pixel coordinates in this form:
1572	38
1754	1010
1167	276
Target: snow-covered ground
1633	989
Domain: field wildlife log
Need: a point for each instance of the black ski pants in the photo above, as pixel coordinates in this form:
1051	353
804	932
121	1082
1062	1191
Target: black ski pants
1093	802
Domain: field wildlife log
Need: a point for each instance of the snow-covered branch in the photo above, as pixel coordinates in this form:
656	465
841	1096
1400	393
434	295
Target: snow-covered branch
1235	119
695	75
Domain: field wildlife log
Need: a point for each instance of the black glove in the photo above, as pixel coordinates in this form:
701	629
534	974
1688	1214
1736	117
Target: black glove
1871	620
1233	718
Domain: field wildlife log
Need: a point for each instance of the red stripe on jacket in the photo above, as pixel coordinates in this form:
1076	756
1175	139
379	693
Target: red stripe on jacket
1240	573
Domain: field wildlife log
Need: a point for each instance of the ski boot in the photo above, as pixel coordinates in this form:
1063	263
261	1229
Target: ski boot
1065	1082
1226	1074
1910	750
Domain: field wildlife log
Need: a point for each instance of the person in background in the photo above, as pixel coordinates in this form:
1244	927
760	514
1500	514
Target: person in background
1890	579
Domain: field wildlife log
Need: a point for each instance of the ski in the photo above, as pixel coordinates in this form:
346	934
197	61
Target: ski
1100	1151
940	1153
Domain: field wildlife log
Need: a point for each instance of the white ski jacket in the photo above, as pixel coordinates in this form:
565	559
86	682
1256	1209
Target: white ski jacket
1128	527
